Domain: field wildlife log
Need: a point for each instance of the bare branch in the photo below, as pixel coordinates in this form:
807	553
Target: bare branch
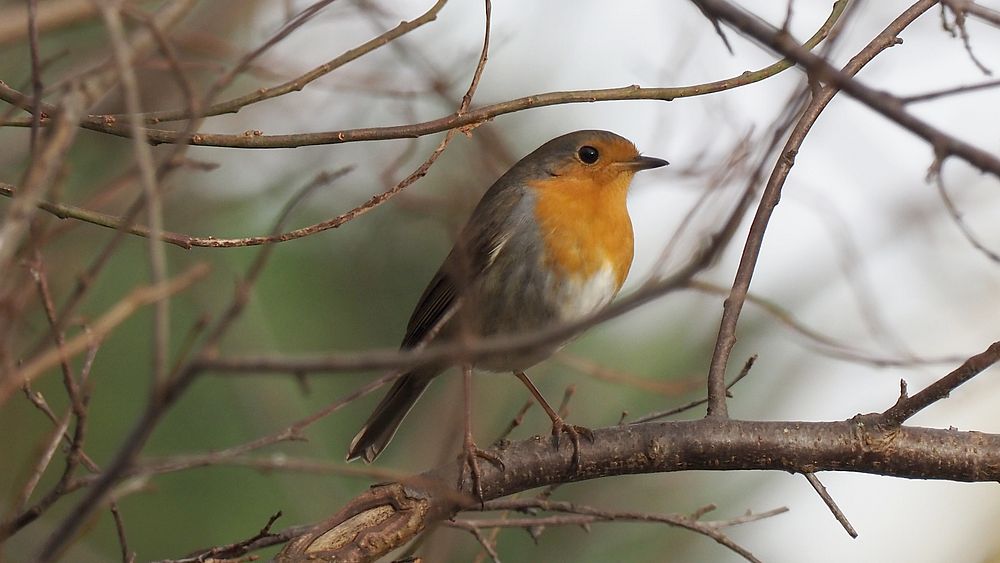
688	406
583	515
300	82
100	328
147	174
817	485
453	121
957	11
389	515
38	179
906	407
956	217
919	98
885	104
772	190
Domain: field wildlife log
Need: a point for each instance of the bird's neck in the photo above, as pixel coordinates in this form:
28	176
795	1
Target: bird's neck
586	227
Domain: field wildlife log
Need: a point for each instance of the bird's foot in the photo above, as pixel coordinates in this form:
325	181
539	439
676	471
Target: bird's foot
471	454
559	427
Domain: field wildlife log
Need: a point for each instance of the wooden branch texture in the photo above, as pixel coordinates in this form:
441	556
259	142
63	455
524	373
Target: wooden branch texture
388	516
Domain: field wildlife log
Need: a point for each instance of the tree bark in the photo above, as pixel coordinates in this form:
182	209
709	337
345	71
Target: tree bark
388	516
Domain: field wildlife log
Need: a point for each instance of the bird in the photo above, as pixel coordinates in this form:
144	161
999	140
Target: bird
549	242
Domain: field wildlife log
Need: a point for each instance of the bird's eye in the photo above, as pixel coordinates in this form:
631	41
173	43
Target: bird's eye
588	154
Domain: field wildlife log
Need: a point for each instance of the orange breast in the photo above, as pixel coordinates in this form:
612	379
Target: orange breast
585	226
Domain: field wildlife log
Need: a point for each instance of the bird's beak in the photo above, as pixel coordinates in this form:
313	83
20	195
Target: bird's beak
644	163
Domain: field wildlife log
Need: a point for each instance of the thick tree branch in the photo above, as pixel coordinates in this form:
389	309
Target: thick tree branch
388	516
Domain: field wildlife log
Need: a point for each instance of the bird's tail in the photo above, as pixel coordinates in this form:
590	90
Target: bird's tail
381	426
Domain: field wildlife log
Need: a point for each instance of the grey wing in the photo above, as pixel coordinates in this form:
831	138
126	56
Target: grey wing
435	304
487	234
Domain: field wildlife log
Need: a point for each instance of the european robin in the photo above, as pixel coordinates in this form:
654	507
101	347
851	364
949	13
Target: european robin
549	243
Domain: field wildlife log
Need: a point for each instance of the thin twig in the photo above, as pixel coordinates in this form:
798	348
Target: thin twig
37	269
37	87
882	103
483	541
100	328
906	407
128	556
483	56
42	172
831	504
822	343
52	444
516	421
956	217
166	16
231	457
663	385
582	515
450	122
190	93
100	78
260	540
160	400
147	174
688	406
919	98
66	482
958	12
300	82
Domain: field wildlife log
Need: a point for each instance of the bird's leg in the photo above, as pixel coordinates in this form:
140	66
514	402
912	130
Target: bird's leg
558	424
470	451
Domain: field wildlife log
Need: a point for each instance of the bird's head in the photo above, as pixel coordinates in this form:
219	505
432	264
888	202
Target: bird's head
596	158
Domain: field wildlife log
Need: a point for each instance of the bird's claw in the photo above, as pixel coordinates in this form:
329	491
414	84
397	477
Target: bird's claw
471	453
559	427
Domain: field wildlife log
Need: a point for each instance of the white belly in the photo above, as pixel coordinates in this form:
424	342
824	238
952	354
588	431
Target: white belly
579	297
